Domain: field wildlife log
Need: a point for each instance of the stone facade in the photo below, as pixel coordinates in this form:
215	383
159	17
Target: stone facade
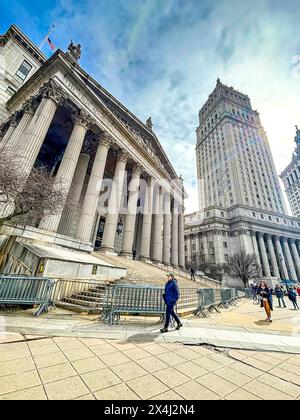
291	178
242	205
112	166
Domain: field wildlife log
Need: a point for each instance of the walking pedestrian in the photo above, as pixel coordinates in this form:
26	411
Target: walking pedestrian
266	299
171	297
292	295
280	295
192	272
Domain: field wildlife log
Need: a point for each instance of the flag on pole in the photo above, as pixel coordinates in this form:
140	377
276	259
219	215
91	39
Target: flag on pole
52	46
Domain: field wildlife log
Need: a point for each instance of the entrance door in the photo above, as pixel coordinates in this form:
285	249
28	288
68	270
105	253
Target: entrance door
100	233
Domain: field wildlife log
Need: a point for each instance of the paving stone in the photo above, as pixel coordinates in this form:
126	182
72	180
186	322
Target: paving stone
208	363
266	392
67	389
155	349
194	391
286	375
283	386
86	397
192	370
233	376
57	372
171	377
167	396
44	349
88	365
152	364
247	370
242	395
6	356
136	353
114	359
187	354
78	354
16	366
18	381
103	349
51	359
100	379
216	384
30	394
117	392
172	359
147	387
129	371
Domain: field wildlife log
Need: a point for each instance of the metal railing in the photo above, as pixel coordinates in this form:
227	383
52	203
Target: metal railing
18	290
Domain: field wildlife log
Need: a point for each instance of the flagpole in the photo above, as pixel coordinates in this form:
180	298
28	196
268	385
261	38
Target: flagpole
46	37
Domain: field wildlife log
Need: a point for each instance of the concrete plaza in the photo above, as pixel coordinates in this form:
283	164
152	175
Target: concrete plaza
232	355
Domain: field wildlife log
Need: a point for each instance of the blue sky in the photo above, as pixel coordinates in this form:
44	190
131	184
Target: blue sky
162	58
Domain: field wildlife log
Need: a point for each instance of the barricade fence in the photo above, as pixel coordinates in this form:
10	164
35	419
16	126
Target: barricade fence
111	301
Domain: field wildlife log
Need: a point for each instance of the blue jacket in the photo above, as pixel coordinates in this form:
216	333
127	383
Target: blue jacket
279	292
171	292
292	295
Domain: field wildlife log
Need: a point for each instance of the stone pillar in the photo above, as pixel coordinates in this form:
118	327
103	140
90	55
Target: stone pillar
147	221
188	250
174	246
264	256
12	142
114	203
32	139
280	256
167	229
70	211
290	263
274	263
13	123
89	207
181	240
65	174
256	251
295	256
157	228
133	196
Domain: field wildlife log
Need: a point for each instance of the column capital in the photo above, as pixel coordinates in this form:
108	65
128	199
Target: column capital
284	239
82	118
30	106
137	169
14	119
148	180
105	139
52	91
122	156
292	241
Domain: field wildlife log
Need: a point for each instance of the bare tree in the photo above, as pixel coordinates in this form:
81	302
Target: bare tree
26	199
243	266
212	270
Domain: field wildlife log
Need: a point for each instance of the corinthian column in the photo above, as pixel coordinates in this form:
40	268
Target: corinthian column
147	221
91	198
65	174
114	204
13	140
282	263
167	229
157	228
290	262
264	256
35	133
13	123
295	256
70	211
174	241
181	250
274	263
132	211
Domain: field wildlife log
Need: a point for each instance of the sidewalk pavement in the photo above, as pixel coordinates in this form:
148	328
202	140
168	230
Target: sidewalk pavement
64	356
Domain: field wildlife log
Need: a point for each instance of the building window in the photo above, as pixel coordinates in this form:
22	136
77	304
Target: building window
11	91
226	257
225	245
23	70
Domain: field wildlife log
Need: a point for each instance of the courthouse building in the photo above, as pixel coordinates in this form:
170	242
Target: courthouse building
126	196
241	202
291	178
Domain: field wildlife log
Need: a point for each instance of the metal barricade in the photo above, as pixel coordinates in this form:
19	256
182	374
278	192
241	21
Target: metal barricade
18	290
126	299
226	297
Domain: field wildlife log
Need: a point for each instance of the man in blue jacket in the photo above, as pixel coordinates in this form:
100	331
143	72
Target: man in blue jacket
171	297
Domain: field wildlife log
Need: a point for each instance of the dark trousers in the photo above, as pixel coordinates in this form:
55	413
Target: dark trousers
280	299
193	277
295	304
170	312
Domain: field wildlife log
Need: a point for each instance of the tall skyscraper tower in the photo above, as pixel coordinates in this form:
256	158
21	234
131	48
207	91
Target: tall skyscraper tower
234	160
291	178
241	205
